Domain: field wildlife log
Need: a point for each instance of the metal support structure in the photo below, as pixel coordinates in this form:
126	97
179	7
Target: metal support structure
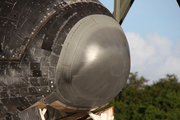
93	116
42	113
107	114
103	116
178	2
121	8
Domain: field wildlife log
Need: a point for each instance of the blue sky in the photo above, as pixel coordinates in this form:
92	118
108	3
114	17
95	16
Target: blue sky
162	16
152	28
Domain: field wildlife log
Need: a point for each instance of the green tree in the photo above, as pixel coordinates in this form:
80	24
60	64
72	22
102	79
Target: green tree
140	101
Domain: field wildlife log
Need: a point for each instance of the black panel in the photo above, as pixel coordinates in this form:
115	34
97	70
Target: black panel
17	43
2	3
49	23
35	82
3	118
37	73
16	117
33	91
32	99
6	9
15	102
43	91
48	42
55	25
3	23
68	14
35	66
35	16
4	65
1	41
15	92
4	95
3	109
13	15
25	102
73	20
26	29
67	28
82	8
7	103
31	5
2	72
54	29
24	91
43	81
6	42
24	83
20	5
9	118
14	65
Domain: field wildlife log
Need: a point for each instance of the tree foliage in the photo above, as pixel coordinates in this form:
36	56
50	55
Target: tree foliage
140	101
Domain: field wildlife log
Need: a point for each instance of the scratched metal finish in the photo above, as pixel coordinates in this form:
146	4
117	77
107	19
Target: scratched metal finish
94	63
32	34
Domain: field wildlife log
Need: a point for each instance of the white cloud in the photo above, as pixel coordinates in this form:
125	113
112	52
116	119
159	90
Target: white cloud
153	56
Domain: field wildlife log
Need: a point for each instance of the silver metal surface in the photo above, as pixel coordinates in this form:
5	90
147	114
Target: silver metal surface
94	63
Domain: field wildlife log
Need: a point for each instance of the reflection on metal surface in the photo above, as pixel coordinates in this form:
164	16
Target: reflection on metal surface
92	53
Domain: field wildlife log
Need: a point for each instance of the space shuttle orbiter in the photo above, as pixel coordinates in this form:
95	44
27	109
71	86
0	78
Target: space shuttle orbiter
71	55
